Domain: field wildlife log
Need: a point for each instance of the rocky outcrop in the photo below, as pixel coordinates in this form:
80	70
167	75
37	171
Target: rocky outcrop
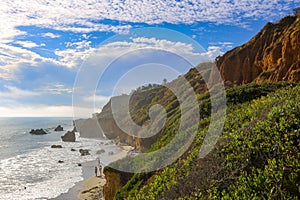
38	132
88	128
114	181
69	137
272	55
112	130
59	128
56	146
84	152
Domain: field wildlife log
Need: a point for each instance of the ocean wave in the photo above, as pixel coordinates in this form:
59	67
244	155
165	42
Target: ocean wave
38	175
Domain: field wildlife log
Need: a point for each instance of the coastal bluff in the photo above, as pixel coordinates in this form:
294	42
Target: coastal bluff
273	55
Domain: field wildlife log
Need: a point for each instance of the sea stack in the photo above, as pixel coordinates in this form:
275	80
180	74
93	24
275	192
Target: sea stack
59	128
69	137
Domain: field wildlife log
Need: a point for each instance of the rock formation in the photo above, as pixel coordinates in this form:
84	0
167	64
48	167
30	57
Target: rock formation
38	132
272	55
56	146
59	128
84	152
69	137
88	128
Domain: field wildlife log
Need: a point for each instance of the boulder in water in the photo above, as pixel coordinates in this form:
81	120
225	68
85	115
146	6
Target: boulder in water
38	132
56	146
84	152
59	128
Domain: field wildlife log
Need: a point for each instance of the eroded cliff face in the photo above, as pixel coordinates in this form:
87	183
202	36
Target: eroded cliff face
114	181
112	129
272	55
139	105
113	184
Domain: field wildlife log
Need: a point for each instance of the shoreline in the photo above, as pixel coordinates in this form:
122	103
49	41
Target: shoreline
73	193
87	188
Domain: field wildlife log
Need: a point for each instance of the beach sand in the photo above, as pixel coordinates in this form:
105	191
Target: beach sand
91	185
73	193
93	189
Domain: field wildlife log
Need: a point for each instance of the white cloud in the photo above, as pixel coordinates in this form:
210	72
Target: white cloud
16	93
57	88
97	98
186	50
11	57
36	111
74	53
27	44
50	35
213	52
82	16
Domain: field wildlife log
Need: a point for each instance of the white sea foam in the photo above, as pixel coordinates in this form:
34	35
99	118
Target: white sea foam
38	175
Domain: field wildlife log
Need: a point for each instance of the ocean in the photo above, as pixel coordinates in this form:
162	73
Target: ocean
29	167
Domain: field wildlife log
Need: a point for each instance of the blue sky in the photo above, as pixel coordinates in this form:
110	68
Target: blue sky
46	46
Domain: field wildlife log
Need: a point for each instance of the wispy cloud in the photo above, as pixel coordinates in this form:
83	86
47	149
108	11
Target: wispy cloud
113	49
56	88
50	35
74	53
27	44
17	93
12	57
20	110
83	16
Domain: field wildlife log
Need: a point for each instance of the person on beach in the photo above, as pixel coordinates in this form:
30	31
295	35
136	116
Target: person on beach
100	170
99	162
96	171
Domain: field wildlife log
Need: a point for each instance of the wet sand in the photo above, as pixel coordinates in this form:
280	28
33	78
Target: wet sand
72	193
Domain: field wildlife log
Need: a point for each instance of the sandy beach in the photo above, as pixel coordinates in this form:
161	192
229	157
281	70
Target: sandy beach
90	187
93	189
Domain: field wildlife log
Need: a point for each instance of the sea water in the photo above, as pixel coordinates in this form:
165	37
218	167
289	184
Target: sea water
29	167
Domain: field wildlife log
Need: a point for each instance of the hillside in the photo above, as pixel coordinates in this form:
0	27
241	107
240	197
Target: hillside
257	155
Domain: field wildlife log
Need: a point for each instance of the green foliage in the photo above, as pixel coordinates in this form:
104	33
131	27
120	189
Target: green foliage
257	156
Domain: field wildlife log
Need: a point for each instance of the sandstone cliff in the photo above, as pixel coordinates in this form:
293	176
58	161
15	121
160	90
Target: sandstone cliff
272	55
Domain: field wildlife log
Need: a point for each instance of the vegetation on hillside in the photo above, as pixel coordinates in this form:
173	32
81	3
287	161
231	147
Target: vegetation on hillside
257	155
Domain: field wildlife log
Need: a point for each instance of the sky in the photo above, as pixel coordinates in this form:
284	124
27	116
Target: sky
59	54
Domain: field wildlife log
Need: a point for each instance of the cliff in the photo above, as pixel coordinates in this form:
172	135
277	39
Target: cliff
272	55
88	128
141	101
257	153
